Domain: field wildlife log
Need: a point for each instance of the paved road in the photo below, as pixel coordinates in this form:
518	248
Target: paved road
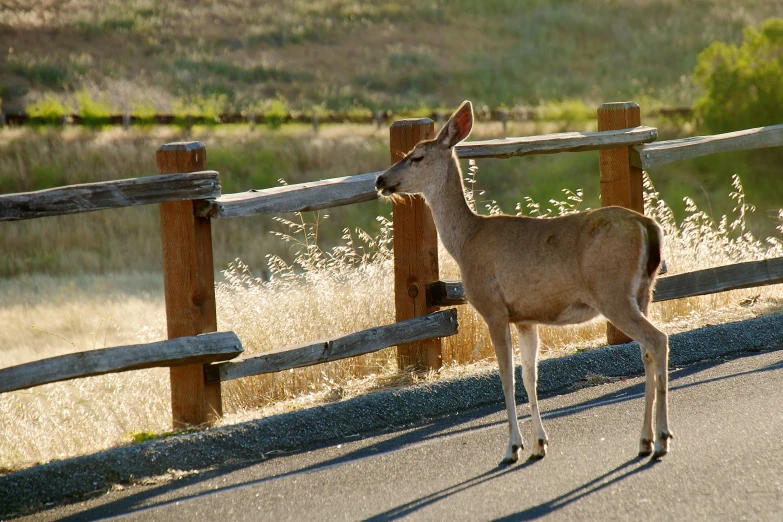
727	464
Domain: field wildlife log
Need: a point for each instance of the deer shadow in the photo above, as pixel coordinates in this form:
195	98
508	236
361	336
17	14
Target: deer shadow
431	431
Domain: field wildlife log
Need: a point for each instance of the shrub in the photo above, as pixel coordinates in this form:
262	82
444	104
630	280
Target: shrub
41	72
206	107
743	85
93	112
49	109
570	111
276	112
144	111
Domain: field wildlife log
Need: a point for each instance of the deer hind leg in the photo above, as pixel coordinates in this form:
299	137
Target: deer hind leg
501	338
647	437
663	434
528	351
655	354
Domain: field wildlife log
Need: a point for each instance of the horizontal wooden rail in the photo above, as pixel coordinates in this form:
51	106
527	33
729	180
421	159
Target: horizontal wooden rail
88	197
662	152
356	189
200	349
720	279
691	284
292	198
439	324
446	293
553	143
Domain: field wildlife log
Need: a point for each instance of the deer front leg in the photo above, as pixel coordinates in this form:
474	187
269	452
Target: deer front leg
501	339
528	351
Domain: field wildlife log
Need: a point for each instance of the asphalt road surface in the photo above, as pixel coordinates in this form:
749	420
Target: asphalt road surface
726	464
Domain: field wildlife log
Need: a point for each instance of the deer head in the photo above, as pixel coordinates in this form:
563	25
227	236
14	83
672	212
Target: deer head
425	168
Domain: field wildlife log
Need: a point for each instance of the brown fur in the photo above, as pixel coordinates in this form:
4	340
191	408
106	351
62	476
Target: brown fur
530	271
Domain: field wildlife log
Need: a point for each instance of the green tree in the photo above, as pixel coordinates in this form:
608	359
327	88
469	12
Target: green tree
743	85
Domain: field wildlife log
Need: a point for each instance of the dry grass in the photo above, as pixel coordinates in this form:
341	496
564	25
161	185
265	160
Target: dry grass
321	293
44	316
340	53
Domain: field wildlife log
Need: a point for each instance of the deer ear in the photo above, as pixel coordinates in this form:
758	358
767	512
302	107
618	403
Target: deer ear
458	127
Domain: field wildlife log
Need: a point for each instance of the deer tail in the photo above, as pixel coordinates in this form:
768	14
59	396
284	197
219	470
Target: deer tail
654	245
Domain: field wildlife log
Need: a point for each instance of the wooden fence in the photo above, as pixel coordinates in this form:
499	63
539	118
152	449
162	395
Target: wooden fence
189	197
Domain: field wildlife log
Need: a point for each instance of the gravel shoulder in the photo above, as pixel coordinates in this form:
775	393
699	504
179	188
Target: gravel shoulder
165	459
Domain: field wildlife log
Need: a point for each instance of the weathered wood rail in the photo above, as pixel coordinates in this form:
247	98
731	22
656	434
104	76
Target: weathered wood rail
554	143
347	190
88	197
301	197
438	324
691	284
189	196
663	152
201	349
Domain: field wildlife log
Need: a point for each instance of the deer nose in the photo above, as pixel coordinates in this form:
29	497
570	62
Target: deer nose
384	187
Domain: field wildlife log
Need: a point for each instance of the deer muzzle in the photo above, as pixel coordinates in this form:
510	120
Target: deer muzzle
385	188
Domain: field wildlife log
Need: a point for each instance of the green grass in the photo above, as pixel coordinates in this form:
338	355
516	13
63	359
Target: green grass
42	73
344	53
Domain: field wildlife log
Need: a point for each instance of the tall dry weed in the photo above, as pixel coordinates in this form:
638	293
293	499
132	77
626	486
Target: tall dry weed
324	293
320	295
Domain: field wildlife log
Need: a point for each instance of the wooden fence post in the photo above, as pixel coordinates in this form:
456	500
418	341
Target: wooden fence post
189	287
621	183
415	251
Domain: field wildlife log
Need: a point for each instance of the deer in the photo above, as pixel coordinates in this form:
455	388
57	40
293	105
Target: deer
554	271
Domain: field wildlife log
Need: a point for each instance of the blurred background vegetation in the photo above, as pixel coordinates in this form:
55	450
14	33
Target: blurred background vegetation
560	57
232	56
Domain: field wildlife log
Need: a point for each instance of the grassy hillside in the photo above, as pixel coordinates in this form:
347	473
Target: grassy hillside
142	55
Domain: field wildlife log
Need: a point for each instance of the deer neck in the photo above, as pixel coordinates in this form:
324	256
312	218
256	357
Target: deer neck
454	219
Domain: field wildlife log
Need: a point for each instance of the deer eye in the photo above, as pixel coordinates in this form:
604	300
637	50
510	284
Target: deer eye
417	159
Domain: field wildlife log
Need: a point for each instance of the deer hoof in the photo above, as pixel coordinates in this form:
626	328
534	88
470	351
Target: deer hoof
512	456
539	450
645	447
659	453
662	444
